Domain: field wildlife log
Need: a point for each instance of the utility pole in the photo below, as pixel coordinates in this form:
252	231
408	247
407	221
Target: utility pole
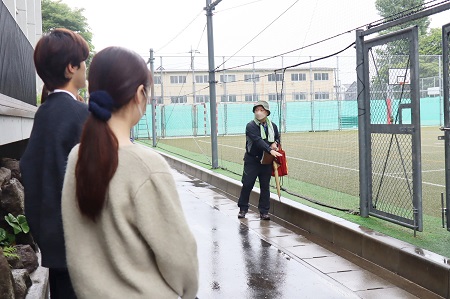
194	106
311	92
153	100
163	118
254	81
193	73
212	81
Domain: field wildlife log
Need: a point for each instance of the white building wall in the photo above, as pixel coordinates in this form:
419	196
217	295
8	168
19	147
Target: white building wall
16	117
28	16
21	15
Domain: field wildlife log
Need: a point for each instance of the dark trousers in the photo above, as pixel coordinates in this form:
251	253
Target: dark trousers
254	169
60	284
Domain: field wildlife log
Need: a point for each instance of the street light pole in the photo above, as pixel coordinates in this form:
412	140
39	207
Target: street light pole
212	81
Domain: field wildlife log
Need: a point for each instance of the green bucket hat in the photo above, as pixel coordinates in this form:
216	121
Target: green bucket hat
263	104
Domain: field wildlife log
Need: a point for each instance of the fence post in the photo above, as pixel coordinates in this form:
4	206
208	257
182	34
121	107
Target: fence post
362	115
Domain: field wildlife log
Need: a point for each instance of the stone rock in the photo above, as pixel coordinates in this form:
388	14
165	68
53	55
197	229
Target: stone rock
13	165
28	257
5	175
6	279
22	282
15	262
26	239
12	199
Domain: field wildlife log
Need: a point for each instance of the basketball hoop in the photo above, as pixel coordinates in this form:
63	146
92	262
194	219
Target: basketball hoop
399	77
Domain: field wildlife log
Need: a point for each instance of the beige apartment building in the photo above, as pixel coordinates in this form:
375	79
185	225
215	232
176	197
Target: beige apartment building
245	85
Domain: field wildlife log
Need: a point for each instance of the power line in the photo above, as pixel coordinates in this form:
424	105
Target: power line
259	33
368	25
310	22
180	31
288	52
314	60
238	6
404	13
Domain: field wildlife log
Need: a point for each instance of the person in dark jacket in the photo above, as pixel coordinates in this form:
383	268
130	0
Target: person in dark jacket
261	147
59	58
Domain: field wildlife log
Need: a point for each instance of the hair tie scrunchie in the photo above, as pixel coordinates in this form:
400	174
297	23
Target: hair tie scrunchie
101	104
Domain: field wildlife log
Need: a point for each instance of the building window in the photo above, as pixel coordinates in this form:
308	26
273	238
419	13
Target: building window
201	79
252	97
272	97
159	100
228	98
251	78
275	77
202	99
157	79
227	78
299	96
320	76
322	96
178	100
298	77
177	79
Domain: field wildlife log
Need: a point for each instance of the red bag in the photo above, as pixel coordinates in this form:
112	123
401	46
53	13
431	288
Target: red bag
282	163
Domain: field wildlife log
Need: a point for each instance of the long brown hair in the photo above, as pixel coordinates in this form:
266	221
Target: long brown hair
118	72
53	53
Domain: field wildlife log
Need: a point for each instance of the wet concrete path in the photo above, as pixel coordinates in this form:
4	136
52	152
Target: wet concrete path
255	259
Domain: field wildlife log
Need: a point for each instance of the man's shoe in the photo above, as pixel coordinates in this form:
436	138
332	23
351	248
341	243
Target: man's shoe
242	214
264	216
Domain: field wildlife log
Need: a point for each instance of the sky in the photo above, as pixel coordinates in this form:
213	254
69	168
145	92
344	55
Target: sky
240	27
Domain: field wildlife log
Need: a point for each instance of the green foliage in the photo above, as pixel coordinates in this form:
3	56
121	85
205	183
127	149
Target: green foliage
431	43
10	251
6	239
56	14
19	225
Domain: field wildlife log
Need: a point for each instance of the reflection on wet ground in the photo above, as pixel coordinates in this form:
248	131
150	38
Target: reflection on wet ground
261	259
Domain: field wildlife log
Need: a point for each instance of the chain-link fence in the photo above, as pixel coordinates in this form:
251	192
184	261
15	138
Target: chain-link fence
319	135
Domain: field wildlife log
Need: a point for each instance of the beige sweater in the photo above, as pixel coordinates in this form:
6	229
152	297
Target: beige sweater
141	246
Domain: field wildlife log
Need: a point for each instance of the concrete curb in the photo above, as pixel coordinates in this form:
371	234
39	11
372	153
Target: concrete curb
422	267
39	289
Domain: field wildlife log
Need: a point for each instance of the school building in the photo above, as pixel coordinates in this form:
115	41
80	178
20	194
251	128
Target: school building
245	85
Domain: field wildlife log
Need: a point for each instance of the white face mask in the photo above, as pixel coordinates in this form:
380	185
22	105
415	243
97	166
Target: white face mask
260	115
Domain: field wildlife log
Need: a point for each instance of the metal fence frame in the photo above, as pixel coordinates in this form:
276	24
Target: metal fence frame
446	128
366	129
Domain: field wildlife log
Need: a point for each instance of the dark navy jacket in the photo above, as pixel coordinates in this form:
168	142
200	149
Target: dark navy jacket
254	144
56	130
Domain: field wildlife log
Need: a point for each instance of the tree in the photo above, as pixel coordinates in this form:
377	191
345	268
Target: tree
431	43
56	14
393	9
395	54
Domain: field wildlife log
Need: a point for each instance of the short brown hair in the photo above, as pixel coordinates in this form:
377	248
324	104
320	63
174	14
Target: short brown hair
54	52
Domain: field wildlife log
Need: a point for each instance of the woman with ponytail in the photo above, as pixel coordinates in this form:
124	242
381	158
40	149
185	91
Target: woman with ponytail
126	234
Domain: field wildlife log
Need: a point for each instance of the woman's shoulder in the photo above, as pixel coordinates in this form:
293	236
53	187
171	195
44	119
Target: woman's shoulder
147	158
